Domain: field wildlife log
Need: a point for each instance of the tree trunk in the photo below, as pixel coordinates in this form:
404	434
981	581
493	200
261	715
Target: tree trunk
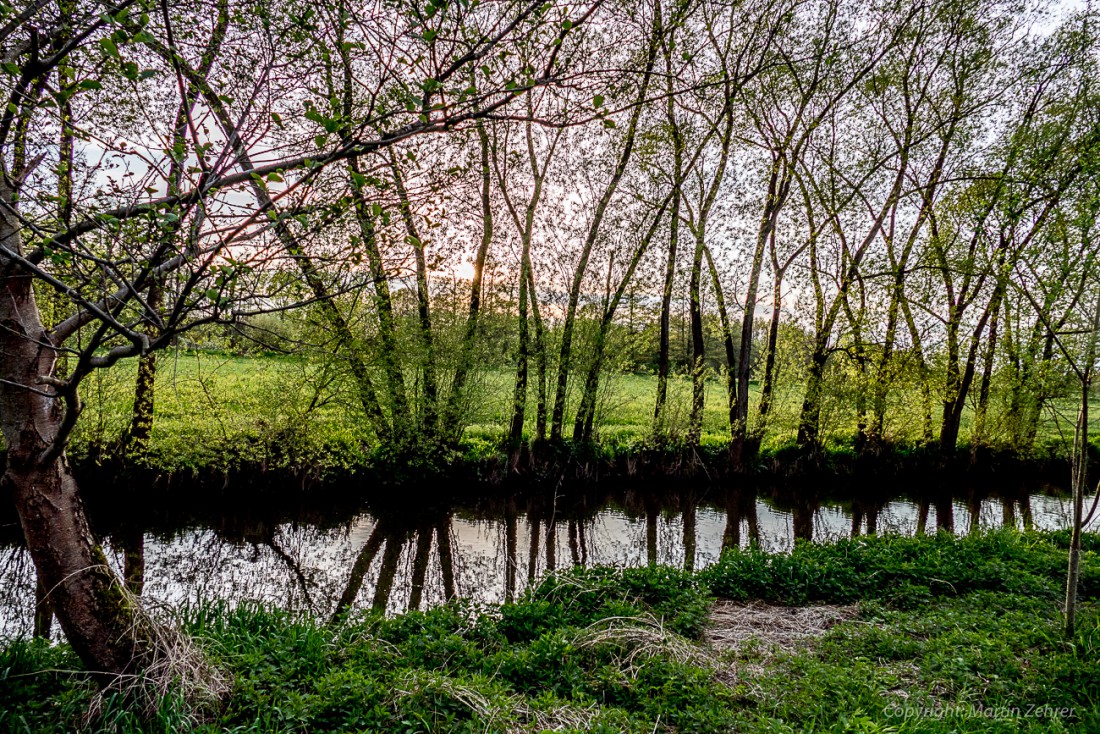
564	365
810	415
768	387
452	418
727	339
959	381
582	428
430	409
1080	466
383	304
978	437
659	409
100	621
773	201
698	352
43	611
519	393
541	369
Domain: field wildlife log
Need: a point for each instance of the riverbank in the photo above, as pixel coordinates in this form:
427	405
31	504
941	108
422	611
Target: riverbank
117	481
929	634
220	413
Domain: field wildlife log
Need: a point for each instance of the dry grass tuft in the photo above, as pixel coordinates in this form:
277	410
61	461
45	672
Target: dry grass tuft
770	628
760	631
174	668
559	718
513	709
640	639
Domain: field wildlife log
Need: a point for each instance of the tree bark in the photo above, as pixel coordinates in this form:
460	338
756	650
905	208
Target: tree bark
99	620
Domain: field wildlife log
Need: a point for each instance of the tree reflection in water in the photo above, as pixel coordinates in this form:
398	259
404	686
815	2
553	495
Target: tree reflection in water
394	560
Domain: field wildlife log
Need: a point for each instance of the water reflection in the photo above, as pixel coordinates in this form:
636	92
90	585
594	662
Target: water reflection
397	559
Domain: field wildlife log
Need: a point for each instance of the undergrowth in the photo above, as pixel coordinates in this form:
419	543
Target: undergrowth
951	634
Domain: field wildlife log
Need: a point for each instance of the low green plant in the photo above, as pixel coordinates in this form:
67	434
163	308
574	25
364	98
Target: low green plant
950	634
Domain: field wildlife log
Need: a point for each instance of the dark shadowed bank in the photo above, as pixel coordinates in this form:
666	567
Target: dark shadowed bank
114	478
927	634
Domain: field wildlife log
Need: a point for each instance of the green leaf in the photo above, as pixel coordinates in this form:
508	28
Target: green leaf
275	177
597	101
566	24
11	68
277	119
89	84
609	123
109	47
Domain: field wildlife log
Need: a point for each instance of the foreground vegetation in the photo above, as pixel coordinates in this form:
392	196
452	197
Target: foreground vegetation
945	634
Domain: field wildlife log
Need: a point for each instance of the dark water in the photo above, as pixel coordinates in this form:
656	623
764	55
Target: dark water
410	555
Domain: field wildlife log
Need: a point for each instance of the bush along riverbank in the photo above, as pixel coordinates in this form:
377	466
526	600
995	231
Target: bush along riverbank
877	634
112	476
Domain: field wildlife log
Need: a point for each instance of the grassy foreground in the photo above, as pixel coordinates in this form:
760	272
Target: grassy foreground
944	635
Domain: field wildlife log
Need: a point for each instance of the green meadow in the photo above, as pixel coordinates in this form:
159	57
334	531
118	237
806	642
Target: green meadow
215	410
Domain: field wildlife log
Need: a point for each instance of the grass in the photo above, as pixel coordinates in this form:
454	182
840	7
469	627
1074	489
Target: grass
215	411
948	634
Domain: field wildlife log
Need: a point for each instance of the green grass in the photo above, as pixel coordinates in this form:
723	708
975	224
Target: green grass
215	411
952	634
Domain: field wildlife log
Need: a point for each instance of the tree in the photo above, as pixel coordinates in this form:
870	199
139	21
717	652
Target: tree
99	260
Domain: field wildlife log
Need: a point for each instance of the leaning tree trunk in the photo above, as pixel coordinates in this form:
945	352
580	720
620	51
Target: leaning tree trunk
98	619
